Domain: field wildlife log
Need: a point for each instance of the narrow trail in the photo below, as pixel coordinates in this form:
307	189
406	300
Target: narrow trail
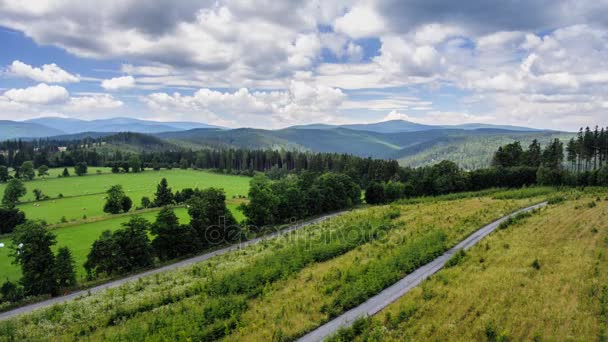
56	300
403	286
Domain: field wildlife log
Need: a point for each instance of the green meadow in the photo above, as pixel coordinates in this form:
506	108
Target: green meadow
84	196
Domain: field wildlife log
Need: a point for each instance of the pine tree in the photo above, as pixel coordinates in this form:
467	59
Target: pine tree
64	269
163	195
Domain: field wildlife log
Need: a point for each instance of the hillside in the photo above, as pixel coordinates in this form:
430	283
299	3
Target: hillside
412	144
541	279
471	149
399	126
16	129
114	125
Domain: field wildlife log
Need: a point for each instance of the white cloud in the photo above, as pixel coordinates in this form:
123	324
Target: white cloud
116	83
49	73
395	115
275	53
147	70
360	22
93	102
39	94
301	102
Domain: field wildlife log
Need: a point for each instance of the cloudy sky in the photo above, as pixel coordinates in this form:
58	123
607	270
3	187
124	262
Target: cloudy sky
271	64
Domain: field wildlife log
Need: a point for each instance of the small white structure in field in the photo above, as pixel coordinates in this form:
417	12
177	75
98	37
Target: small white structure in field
1	245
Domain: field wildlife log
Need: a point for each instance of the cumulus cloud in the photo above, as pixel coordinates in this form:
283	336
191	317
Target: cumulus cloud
299	103
360	22
49	73
39	94
290	58
93	102
118	83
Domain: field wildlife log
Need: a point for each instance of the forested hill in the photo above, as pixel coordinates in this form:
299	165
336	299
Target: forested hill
470	148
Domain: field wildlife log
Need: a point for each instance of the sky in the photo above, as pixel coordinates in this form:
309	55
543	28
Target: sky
273	64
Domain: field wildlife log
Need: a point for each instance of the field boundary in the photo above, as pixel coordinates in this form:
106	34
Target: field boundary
111	284
390	294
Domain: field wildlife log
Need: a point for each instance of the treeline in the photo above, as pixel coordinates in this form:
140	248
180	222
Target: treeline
298	196
47	153
512	166
130	248
588	151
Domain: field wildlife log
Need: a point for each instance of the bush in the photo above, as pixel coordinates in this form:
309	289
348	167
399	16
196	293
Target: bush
456	259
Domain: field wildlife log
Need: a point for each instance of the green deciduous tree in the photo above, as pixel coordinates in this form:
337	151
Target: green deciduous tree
122	251
13	191
374	193
32	251
262	201
10	218
43	170
116	200
135	164
81	169
210	217
27	170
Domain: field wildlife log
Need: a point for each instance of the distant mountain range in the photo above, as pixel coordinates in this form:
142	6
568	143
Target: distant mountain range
70	126
52	126
396	126
412	144
470	148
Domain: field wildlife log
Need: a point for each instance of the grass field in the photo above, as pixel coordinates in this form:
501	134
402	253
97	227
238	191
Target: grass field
291	307
80	237
204	299
85	195
543	278
77	233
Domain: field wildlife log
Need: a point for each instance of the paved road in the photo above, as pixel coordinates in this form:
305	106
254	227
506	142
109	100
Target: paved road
400	288
185	262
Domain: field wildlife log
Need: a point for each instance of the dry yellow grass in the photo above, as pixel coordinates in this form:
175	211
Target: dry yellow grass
293	306
496	292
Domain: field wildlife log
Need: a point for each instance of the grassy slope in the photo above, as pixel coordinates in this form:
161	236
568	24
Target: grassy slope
294	306
456	218
495	291
89	190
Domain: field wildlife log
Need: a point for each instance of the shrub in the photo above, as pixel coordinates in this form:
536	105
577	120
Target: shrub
456	258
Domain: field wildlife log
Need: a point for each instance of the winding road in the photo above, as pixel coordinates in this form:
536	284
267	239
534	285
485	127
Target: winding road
400	288
182	263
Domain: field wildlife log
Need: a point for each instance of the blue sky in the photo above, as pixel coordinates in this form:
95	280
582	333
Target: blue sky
274	64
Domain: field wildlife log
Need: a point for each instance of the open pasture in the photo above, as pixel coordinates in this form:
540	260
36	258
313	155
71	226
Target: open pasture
84	196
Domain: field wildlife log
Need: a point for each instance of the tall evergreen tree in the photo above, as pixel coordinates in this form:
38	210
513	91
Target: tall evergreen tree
163	195
64	269
172	239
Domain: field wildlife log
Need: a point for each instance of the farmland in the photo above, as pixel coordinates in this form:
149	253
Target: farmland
295	283
77	233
